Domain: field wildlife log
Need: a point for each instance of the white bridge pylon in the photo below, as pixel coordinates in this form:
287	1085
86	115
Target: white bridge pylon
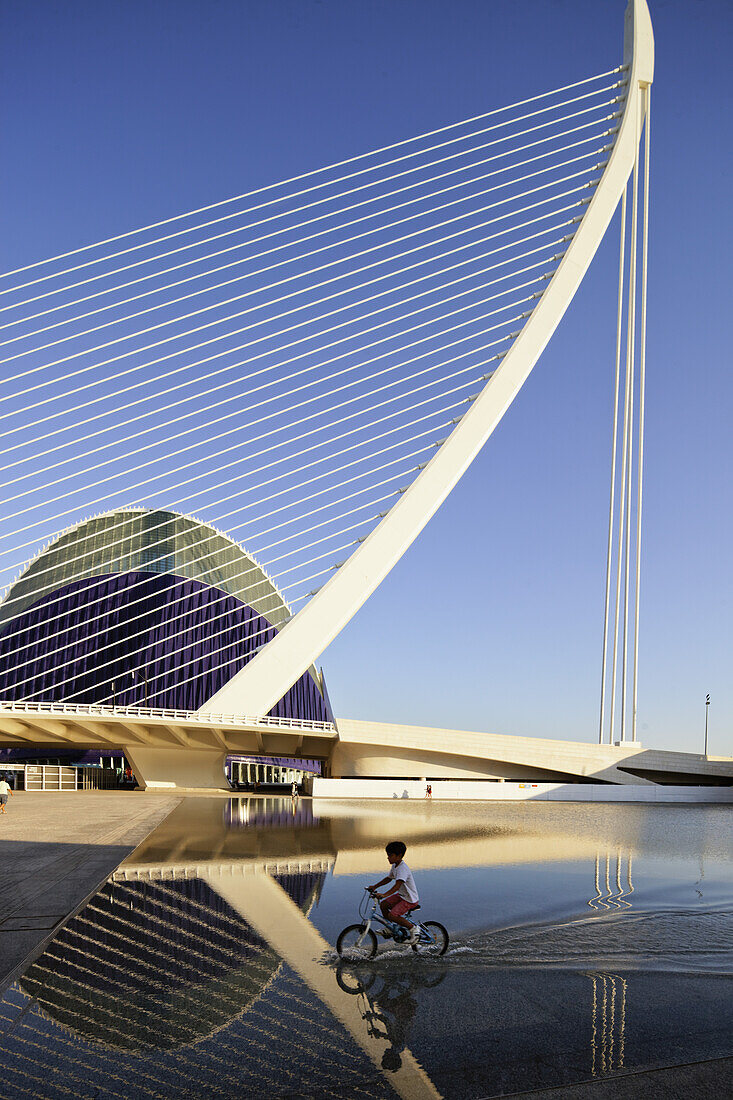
308	369
276	667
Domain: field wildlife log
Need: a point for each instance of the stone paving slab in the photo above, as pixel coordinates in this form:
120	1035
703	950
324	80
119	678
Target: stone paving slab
56	848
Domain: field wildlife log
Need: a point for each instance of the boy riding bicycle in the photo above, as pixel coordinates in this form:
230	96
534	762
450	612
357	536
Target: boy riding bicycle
402	896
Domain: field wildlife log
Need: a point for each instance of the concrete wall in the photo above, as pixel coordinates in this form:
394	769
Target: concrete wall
487	791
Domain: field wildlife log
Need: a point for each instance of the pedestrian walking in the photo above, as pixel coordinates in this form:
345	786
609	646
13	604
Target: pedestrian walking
5	791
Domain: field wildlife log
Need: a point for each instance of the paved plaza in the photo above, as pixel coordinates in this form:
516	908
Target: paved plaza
56	848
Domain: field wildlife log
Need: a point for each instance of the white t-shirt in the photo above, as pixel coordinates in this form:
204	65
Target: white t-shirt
4	787
403	875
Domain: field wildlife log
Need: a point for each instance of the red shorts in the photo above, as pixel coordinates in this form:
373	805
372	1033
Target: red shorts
396	906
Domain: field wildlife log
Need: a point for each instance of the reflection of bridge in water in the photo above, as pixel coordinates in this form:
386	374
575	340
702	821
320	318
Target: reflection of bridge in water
606	897
199	947
196	967
608	1035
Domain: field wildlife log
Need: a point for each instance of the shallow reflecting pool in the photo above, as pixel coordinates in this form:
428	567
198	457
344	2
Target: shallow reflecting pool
586	941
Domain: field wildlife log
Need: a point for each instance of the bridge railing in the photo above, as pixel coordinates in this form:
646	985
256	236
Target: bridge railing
100	710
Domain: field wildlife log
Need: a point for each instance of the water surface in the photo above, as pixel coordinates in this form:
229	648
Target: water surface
586	941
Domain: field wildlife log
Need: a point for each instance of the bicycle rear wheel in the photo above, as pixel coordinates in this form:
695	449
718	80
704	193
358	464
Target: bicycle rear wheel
356	942
355	977
438	944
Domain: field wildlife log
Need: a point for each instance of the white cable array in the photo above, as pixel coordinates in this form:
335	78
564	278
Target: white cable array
132	670
208	538
549	245
216	286
320	557
263	355
310	384
642	396
234	641
242	591
584	173
309	481
268	416
121	524
295	397
290	278
614	448
288	244
318	171
617	635
310	433
199	558
234	247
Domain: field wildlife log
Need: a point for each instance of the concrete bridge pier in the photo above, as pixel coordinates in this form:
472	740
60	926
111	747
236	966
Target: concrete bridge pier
168	768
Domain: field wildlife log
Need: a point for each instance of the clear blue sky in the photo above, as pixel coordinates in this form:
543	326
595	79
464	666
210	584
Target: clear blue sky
117	114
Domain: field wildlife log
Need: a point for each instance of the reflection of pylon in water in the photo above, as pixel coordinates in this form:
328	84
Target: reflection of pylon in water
608	1023
605	897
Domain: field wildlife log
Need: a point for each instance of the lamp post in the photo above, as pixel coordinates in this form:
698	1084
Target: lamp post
707	706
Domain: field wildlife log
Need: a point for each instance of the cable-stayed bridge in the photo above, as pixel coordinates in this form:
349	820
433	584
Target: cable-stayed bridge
222	430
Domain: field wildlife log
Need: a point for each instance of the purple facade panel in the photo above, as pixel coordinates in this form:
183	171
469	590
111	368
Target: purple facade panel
139	639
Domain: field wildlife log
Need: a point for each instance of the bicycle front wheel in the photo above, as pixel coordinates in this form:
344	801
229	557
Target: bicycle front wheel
356	942
438	939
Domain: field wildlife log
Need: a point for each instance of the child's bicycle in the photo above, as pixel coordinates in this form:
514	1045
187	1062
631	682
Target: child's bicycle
358	941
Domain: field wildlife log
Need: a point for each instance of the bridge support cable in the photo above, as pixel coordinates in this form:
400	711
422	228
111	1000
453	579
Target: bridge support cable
99	613
306	175
601	121
539	276
125	372
642	394
120	525
614	444
118	547
159	289
621	709
212	270
388	418
532	282
186	385
289	279
629	418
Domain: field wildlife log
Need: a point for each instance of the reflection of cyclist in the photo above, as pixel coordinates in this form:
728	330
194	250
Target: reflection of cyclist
397	1008
391	1003
402	895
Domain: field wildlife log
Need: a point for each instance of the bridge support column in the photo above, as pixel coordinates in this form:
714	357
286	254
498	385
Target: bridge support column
167	769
